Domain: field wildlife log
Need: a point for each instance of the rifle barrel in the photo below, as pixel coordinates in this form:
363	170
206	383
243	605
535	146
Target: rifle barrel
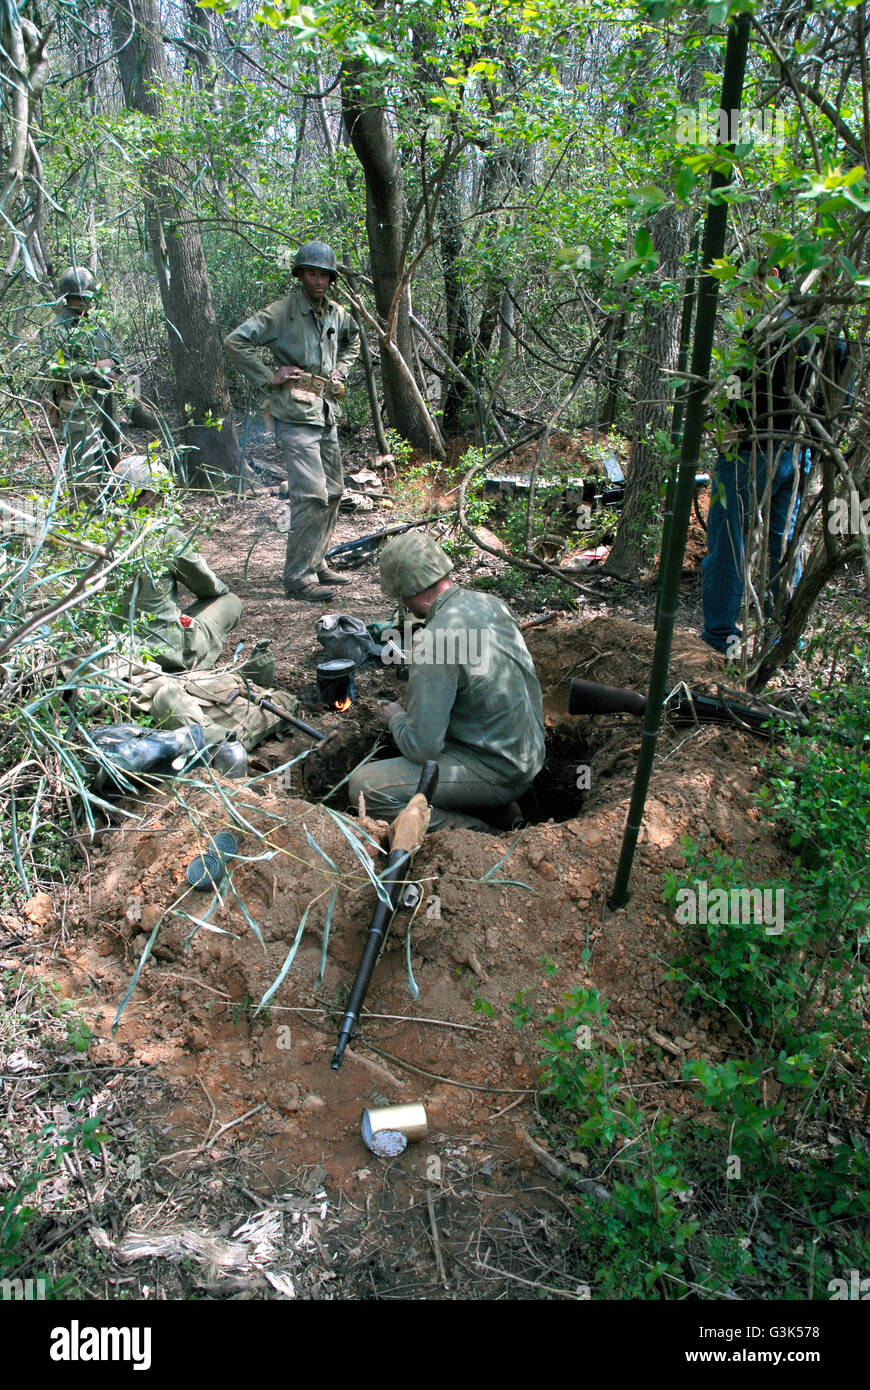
586	697
393	879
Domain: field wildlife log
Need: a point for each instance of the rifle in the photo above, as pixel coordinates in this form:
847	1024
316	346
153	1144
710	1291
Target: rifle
586	697
406	836
366	545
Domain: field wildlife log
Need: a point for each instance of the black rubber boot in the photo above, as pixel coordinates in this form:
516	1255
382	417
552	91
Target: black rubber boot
156	751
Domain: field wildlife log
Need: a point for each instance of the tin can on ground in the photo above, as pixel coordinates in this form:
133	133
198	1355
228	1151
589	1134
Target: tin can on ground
388	1129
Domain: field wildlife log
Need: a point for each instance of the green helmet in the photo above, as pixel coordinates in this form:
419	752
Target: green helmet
316	255
411	563
78	281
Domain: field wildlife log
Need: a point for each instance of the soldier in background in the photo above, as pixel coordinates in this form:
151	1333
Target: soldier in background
313	343
83	364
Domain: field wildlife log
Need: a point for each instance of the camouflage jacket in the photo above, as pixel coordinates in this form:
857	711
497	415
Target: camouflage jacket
296	336
73	347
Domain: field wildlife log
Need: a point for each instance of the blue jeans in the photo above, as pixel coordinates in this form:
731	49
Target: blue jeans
723	568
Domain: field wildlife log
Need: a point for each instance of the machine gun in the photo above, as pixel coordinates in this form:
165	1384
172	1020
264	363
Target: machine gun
688	707
406	836
353	553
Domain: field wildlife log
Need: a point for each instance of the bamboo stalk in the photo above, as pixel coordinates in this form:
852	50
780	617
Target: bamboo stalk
672	561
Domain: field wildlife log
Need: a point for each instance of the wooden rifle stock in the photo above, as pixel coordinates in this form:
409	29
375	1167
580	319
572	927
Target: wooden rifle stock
393	878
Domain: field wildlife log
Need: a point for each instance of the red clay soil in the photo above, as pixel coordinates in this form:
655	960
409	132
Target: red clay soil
500	918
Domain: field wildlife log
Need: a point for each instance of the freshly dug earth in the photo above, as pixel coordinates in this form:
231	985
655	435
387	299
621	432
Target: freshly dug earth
494	908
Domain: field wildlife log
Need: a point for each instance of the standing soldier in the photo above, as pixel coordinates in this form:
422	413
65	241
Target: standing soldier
313	342
84	365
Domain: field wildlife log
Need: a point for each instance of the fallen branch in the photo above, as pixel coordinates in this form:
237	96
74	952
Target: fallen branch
557	1169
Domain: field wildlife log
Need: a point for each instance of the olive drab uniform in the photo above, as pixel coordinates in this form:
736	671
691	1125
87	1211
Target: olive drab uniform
216	700
158	623
473	703
83	396
305	413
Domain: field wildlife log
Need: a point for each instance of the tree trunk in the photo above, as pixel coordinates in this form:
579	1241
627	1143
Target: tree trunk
24	70
370	135
195	344
633	547
613	377
827	557
454	397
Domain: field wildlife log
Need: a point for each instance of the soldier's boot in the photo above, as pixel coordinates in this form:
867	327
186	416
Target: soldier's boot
508	817
324	574
311	593
157	751
456	820
328	576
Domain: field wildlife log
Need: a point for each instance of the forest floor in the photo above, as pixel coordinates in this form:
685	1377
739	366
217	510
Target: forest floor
233	1165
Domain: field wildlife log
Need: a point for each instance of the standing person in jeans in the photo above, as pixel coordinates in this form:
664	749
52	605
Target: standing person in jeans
313	343
764	437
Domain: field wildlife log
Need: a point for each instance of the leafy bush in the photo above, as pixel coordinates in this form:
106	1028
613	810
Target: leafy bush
765	1188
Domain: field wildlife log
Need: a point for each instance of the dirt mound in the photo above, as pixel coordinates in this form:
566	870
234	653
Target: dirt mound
575	451
613	651
498	912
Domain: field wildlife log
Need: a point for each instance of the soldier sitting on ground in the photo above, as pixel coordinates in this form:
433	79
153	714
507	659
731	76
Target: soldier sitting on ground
179	640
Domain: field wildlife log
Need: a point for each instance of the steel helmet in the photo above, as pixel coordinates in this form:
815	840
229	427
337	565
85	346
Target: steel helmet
230	758
411	563
316	255
138	473
76	280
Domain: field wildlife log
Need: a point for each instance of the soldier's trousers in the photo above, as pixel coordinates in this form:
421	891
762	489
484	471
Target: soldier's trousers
213	620
315	485
388	786
200	645
91	435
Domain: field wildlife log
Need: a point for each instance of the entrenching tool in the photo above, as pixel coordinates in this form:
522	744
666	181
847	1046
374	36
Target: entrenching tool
265	703
406	837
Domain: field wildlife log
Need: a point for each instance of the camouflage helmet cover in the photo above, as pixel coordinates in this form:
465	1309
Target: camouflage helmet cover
77	280
316	255
411	563
138	473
